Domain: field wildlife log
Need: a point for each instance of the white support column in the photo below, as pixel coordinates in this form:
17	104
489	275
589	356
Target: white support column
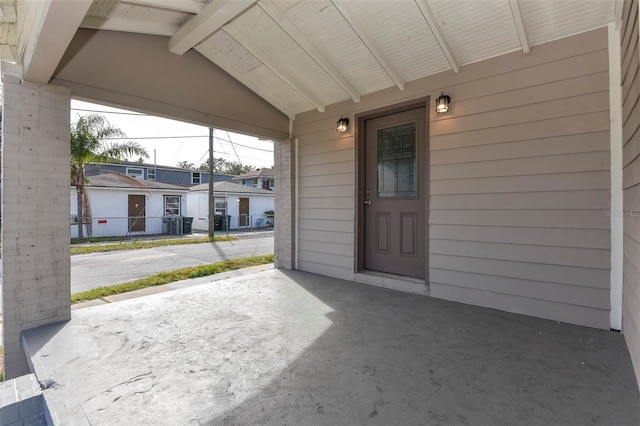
617	213
35	213
284	204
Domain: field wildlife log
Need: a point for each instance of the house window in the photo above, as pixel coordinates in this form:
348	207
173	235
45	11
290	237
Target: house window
195	177
220	207
171	205
135	172
151	174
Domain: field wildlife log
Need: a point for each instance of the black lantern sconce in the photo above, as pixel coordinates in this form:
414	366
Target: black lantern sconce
343	123
442	103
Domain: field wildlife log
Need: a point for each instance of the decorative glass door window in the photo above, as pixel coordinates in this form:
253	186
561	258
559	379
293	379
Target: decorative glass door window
397	165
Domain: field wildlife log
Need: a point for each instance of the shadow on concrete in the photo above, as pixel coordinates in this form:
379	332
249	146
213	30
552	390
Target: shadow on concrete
296	348
395	358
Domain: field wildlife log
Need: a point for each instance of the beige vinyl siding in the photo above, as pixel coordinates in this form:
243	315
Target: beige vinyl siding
630	80
519	182
326	204
537	148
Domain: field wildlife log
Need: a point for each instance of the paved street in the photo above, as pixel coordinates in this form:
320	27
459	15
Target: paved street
101	269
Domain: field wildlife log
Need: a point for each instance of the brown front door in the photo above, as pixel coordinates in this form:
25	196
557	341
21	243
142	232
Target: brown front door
244	211
395	191
136	213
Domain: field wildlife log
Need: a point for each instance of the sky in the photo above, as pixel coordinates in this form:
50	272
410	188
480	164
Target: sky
175	141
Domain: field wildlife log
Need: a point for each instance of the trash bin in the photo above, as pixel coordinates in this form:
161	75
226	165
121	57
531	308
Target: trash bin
225	224
187	223
217	222
172	225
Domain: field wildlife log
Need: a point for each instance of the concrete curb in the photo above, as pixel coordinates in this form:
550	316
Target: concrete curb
172	286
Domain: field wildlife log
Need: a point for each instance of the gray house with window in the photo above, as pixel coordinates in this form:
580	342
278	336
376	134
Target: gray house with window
166	174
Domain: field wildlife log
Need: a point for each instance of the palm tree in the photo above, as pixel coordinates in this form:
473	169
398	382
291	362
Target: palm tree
88	145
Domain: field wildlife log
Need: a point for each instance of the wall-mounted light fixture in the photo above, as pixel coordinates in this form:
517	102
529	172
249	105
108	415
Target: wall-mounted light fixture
442	103
343	123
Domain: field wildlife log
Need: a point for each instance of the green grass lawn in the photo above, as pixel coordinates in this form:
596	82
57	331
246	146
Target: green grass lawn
133	245
120	244
172	276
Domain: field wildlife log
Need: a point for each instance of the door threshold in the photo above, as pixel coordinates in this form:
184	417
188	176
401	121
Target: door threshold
393	282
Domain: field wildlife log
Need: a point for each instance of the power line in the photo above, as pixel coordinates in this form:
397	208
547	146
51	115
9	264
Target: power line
234	148
189	137
202	158
177	152
111	112
165	137
156	137
242	145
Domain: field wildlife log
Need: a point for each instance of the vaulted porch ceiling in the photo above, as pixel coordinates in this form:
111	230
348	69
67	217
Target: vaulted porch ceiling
301	55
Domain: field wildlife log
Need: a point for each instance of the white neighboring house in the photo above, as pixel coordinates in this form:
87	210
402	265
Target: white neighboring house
123	206
246	205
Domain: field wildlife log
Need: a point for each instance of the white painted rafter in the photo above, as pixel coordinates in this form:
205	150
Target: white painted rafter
430	18
276	67
246	80
185	6
517	19
7	52
102	8
7	13
366	39
288	27
213	17
51	29
123	25
618	12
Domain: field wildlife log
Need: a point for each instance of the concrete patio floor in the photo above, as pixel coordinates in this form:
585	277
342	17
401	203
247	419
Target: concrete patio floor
281	347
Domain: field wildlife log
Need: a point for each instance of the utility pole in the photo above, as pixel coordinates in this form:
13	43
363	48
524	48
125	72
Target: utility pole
212	213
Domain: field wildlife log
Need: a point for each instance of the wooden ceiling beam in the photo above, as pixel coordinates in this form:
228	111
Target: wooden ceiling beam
185	6
430	18
367	40
246	80
275	66
213	17
517	19
292	31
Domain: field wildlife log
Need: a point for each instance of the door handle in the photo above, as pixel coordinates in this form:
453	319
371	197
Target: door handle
367	202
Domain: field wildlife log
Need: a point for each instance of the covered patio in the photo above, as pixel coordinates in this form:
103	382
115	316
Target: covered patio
523	197
288	347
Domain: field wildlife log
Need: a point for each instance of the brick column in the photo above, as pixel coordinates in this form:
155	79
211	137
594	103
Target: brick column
35	213
284	204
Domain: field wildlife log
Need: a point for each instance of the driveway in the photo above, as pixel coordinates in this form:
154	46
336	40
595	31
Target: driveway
89	271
